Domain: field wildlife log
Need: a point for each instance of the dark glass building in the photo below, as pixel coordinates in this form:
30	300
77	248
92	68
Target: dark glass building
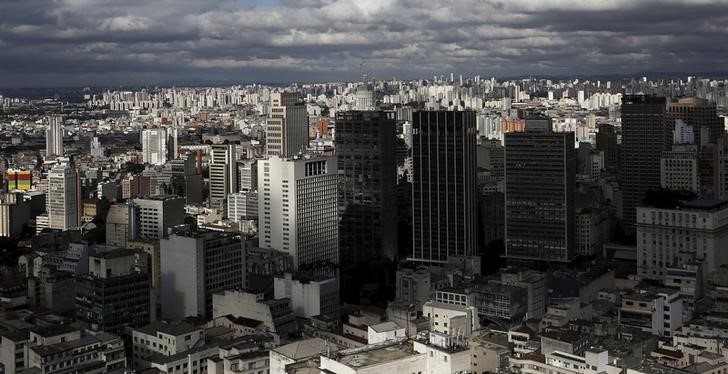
444	185
643	140
367	164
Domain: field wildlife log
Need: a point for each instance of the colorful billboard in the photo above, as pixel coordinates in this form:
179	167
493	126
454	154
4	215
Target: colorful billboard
19	180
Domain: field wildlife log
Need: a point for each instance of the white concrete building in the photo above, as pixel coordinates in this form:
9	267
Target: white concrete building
276	315
166	339
242	206
309	297
384	331
64	198
594	362
297	209
673	237
658	311
154	146
54	137
454	320
223	173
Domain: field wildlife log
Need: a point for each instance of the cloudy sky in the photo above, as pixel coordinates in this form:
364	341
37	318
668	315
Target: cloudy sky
112	42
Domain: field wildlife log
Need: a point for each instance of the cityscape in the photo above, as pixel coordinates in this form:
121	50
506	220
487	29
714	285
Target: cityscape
328	187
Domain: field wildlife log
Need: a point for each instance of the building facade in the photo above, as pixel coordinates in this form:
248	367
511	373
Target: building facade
444	187
297	209
365	150
539	194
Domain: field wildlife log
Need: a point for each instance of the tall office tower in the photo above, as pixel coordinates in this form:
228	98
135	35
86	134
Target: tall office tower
64	198
444	186
113	295
173	142
54	137
154	146
365	150
286	130
195	264
223	173
539	194
699	113
247	175
157	214
297	209
643	140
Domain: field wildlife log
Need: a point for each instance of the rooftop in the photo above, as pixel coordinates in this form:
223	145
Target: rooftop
385	326
174	329
303	349
377	356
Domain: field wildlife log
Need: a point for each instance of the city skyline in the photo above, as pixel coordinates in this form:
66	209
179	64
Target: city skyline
93	42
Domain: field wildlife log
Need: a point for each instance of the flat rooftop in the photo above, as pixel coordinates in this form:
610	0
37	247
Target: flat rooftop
377	356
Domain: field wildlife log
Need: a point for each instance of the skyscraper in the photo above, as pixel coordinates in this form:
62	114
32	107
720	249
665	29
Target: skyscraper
365	150
223	173
154	146
54	137
286	131
64	197
444	185
540	177
606	141
643	140
297	209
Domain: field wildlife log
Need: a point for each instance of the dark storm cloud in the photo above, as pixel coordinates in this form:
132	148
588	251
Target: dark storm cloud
79	42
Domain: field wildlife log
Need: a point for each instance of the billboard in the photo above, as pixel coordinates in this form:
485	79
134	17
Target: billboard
19	179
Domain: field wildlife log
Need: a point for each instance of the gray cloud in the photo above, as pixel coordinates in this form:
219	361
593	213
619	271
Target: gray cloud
108	42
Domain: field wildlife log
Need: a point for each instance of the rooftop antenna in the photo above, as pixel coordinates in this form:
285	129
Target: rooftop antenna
365	77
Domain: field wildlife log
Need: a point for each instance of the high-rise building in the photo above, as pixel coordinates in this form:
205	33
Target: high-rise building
701	115
113	295
540	182
286	130
54	137
365	151
223	173
154	146
297	209
195	264
643	140
606	141
157	214
444	185
247	175
64	198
